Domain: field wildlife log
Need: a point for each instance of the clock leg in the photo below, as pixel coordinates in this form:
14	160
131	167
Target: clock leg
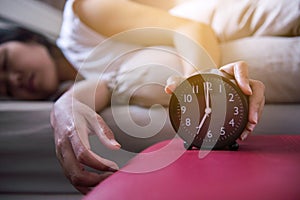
234	146
187	146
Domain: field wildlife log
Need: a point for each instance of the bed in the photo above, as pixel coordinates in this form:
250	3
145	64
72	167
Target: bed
28	165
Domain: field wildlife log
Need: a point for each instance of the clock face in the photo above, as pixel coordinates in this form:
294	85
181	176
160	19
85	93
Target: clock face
208	111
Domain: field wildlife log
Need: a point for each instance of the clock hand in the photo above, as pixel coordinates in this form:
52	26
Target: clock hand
207	107
206	94
202	122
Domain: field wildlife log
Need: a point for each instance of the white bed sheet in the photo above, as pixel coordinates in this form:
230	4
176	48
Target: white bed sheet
28	163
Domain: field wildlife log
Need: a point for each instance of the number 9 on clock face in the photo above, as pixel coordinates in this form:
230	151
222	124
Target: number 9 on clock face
208	111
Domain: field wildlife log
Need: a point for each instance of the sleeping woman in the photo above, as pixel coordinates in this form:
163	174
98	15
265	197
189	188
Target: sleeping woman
87	24
32	68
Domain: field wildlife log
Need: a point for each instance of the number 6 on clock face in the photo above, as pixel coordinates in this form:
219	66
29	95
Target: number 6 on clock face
208	111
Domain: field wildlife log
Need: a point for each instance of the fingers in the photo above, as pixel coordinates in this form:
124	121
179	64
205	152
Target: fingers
172	83
255	90
71	130
85	156
240	72
257	101
105	134
256	104
86	120
74	170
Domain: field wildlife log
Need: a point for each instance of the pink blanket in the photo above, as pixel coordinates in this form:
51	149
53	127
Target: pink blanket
265	167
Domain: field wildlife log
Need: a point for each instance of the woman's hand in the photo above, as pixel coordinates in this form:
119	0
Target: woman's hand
253	88
72	122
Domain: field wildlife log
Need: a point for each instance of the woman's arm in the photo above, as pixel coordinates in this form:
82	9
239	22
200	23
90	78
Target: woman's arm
112	17
93	93
73	118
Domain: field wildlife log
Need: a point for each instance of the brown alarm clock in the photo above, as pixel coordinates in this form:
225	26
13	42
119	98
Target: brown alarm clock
209	111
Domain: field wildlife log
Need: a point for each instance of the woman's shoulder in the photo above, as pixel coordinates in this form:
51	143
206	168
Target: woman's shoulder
74	31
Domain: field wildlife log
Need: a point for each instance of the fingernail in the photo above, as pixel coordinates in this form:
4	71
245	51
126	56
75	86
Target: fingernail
250	90
255	118
244	135
115	143
170	88
112	169
251	127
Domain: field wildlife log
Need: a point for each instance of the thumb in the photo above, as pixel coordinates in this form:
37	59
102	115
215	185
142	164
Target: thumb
172	83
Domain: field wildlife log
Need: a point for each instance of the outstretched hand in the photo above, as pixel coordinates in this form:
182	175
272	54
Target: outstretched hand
73	122
253	88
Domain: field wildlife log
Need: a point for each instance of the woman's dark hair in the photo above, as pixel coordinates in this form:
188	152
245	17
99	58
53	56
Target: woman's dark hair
20	34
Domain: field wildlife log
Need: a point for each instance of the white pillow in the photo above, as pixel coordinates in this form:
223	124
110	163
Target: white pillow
273	60
234	19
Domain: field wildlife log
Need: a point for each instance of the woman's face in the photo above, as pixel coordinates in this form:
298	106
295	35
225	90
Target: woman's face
27	71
